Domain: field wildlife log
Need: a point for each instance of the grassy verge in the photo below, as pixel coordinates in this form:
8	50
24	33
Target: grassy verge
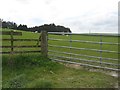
36	71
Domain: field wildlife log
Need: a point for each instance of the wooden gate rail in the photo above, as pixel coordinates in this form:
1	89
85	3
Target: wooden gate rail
12	46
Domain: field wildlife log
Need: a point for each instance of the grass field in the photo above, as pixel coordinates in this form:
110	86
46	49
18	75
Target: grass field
111	39
33	70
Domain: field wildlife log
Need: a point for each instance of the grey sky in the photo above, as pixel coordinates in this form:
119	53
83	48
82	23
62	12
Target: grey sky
79	15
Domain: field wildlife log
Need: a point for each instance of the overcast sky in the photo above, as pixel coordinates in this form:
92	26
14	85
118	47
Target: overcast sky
79	15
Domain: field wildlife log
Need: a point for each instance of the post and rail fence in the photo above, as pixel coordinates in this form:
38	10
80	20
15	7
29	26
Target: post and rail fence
42	45
56	56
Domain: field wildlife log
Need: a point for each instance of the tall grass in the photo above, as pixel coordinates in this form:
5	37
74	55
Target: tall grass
36	71
15	75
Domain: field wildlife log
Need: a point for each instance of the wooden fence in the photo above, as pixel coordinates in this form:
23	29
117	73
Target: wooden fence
42	41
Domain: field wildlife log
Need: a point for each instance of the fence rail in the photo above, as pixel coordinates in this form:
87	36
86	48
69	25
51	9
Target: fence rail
17	52
10	32
20	39
83	55
83	34
20	46
74	58
88	65
12	46
82	41
108	51
85	60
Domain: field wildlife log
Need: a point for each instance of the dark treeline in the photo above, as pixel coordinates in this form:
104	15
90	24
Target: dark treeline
46	27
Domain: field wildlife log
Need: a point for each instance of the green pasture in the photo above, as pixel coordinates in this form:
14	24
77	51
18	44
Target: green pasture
36	71
32	35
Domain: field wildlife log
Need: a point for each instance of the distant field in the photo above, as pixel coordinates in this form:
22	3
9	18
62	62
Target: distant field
32	35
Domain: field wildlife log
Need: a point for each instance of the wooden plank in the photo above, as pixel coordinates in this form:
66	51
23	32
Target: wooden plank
9	33
4	52
6	39
12	42
20	46
17	52
20	39
25	39
26	51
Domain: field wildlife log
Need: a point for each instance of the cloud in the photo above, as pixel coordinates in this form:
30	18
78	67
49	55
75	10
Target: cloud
23	1
94	22
79	15
48	1
110	21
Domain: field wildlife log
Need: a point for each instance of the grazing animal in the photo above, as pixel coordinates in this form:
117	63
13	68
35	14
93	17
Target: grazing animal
36	31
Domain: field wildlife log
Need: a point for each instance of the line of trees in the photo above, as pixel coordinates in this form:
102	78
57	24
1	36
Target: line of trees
48	27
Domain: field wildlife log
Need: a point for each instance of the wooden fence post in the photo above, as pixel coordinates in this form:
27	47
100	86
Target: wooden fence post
44	43
12	41
11	52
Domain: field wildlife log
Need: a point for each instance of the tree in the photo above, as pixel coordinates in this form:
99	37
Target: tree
9	24
22	27
4	24
47	27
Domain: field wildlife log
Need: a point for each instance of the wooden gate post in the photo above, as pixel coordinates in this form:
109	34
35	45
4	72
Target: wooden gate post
11	42
44	43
